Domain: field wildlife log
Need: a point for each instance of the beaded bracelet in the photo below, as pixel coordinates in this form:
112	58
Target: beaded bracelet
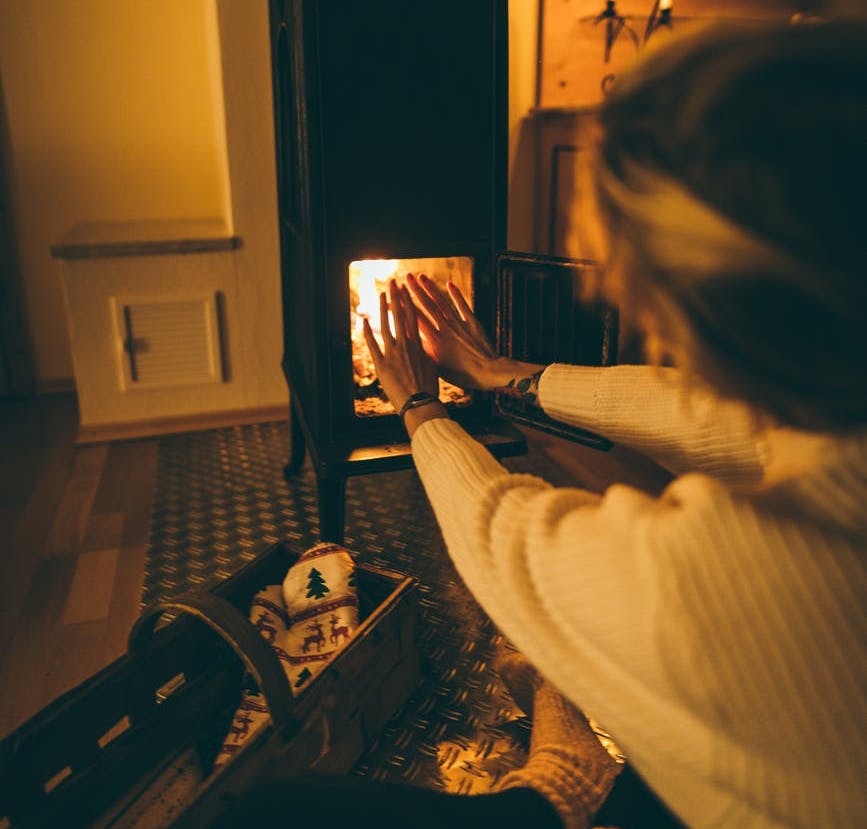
420	398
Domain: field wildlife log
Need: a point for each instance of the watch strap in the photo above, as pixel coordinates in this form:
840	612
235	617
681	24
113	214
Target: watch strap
420	398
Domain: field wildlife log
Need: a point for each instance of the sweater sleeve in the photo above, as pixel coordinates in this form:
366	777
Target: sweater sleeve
563	573
650	409
577	582
706	630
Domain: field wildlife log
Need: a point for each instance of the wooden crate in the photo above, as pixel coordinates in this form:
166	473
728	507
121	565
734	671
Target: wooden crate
130	747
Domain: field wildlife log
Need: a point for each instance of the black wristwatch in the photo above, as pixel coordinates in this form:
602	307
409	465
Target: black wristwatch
420	398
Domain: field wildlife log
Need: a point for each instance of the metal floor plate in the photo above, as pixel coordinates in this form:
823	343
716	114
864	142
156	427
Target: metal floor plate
221	499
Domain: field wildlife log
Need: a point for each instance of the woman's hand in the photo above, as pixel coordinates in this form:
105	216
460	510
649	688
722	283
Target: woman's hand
402	365
455	340
452	336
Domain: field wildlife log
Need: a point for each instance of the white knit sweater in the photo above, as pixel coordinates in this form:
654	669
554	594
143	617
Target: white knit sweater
717	631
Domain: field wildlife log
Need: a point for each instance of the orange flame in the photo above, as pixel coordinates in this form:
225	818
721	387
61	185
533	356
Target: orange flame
368	278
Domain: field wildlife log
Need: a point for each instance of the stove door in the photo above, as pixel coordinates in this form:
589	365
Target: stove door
543	317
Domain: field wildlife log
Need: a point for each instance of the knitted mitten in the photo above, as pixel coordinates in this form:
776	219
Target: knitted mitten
567	765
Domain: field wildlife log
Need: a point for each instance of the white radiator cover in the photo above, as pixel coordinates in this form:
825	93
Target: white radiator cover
167	341
187	312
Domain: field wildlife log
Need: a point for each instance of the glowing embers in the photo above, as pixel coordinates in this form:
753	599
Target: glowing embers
367	279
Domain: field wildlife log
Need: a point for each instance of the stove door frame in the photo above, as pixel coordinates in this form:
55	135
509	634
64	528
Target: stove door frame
358	178
543	317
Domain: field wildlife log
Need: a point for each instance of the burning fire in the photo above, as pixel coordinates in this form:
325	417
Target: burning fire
369	278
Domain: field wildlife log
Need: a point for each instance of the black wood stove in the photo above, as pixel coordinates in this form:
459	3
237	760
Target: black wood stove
391	135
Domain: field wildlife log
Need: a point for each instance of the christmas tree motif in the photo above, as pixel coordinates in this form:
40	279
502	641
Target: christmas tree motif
316	586
302	677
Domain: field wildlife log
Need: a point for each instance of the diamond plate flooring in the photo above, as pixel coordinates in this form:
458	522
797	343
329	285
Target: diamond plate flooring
221	498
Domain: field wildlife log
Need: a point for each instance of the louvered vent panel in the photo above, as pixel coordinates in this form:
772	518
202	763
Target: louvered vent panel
168	342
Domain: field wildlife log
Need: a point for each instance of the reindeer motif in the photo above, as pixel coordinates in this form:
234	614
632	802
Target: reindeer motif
264	625
318	638
241	727
337	632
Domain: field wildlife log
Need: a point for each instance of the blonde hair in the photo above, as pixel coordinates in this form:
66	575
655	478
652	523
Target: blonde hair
730	172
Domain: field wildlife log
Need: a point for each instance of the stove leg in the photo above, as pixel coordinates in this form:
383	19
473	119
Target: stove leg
297	444
332	507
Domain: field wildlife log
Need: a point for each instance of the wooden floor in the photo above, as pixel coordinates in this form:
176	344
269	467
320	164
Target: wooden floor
74	526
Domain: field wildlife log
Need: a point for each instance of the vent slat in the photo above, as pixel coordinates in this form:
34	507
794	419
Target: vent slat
174	341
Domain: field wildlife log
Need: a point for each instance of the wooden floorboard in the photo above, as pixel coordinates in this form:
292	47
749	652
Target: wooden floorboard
125	601
36	454
141	459
89	596
76	523
73	512
27	681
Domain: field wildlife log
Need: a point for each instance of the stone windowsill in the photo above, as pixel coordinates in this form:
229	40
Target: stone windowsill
100	240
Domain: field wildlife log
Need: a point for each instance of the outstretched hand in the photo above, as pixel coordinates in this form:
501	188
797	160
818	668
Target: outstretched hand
451	335
401	364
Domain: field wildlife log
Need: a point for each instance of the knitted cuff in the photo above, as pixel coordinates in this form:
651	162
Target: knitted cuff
575	786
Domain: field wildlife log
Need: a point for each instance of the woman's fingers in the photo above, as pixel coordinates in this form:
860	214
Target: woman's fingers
470	319
384	323
460	303
372	344
403	312
427	329
444	305
397	312
444	314
411	318
424	300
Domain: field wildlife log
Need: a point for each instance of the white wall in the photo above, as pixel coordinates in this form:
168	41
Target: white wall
246	61
115	113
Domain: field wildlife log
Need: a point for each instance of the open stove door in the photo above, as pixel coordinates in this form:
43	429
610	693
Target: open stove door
542	318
